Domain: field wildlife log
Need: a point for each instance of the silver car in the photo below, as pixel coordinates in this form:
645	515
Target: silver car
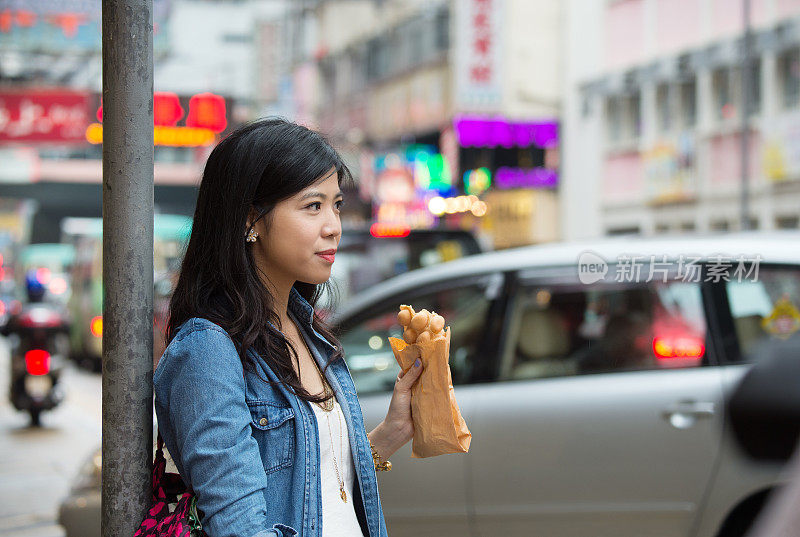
593	378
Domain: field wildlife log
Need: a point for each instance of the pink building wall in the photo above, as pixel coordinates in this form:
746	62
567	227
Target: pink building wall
725	161
624	33
787	8
623	177
727	16
677	25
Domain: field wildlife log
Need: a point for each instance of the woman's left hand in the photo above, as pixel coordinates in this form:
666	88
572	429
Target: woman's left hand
397	428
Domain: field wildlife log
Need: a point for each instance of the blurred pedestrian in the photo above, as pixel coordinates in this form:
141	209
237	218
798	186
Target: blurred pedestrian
253	398
764	412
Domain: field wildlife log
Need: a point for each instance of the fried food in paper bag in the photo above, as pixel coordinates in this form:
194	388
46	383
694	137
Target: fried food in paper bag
439	427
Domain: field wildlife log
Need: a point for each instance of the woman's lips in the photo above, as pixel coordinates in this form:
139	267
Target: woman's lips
327	257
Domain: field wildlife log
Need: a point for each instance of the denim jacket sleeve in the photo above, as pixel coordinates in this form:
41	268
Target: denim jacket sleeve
201	389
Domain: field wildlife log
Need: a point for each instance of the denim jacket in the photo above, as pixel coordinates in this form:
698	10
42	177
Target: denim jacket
250	450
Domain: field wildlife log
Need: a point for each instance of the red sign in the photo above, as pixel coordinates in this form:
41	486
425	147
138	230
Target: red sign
207	111
167	109
43	116
481	68
206	118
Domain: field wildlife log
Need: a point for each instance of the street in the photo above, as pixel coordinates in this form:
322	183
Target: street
37	465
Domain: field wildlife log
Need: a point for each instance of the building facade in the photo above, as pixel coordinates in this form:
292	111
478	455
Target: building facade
653	116
449	110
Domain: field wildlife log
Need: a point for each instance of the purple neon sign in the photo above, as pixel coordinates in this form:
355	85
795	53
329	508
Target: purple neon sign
525	178
492	132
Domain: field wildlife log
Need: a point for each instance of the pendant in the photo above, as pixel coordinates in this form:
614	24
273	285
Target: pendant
344	495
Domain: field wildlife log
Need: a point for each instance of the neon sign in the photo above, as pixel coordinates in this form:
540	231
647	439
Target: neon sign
206	118
492	132
526	178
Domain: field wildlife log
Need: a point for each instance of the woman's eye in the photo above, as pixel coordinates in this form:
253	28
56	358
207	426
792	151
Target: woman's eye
316	205
339	204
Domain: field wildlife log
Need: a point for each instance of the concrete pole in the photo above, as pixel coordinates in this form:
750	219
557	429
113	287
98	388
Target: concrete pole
127	263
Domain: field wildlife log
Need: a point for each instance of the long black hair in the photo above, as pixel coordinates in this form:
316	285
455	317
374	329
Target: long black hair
253	168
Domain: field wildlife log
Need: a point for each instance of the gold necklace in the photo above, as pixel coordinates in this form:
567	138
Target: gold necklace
341	454
327	404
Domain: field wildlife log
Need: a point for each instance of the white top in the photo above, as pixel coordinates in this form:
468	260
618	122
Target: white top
338	517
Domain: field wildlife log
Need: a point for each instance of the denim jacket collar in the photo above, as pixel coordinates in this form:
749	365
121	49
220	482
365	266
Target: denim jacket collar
302	310
304	313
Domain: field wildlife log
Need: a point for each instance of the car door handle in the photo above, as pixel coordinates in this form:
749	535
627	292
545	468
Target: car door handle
702	409
684	414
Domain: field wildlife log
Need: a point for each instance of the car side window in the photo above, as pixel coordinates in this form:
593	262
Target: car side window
765	308
573	329
369	355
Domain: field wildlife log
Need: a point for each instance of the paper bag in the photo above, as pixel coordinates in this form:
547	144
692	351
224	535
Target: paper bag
439	427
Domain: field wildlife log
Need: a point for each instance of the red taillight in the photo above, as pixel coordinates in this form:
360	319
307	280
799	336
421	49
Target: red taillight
679	347
2	307
37	362
96	326
386	230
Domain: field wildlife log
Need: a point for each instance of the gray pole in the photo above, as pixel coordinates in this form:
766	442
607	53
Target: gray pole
127	263
745	137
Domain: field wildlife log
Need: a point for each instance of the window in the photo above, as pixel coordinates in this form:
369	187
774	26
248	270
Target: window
632	230
752	223
623	123
442	29
664	107
764	307
632	123
687	227
613	119
789	74
369	355
719	225
358	67
562	329
787	222
724	107
727	85
377	66
688	102
755	86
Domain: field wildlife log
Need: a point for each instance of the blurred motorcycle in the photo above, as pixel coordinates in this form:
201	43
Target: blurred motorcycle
39	339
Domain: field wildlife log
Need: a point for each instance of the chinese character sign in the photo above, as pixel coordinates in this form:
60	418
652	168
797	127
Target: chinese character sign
43	116
478	55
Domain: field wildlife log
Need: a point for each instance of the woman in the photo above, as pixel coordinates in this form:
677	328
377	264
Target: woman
253	398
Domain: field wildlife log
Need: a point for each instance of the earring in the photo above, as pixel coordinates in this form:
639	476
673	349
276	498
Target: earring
252	235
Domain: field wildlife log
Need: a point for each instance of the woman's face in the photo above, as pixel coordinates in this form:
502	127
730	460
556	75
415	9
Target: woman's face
302	229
